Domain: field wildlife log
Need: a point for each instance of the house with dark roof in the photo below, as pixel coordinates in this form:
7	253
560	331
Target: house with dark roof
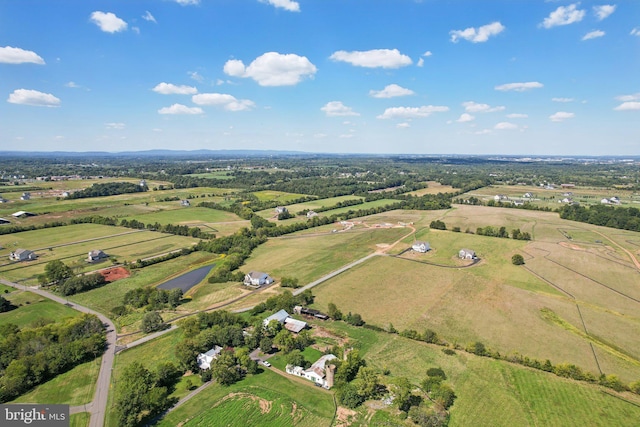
22	255
257	279
467	254
96	255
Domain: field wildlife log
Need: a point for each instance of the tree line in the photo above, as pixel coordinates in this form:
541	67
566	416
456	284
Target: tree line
108	189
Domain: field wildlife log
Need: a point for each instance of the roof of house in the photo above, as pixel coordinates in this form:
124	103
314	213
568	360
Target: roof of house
21	213
294	325
257	274
280	316
22	251
467	251
96	253
320	365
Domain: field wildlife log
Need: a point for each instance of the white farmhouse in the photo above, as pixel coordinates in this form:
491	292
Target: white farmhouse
257	278
467	254
204	359
421	247
319	372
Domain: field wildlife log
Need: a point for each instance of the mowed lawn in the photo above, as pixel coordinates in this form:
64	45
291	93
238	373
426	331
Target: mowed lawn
308	257
496	393
34	308
187	216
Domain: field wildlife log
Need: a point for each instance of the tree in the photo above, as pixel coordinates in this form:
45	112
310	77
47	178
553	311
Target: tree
517	259
57	271
333	312
284	341
5	305
367	382
289	282
266	345
174	297
223	369
296	358
348	396
152	322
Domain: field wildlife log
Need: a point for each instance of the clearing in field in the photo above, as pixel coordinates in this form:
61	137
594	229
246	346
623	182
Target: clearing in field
34	309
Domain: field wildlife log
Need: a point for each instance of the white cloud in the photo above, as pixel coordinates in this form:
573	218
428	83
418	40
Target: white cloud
195	76
403	125
632	97
229	102
604	11
382	58
171	89
474	107
412	112
477	35
561	116
635	32
115	126
593	35
427	54
149	17
420	62
562	99
108	22
135	30
564	15
465	117
71	85
391	91
180	109
337	108
628	106
15	55
187	2
33	97
517	116
273	69
519	87
482	132
505	126
291	6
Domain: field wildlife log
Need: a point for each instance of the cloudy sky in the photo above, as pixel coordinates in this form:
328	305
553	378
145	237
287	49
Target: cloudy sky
344	76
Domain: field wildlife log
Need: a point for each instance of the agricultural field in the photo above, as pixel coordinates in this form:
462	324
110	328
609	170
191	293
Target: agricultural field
433	188
495	301
71	244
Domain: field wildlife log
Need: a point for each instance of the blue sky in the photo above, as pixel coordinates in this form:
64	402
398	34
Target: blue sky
344	76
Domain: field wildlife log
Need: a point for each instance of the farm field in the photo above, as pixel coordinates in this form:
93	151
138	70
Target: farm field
71	244
433	188
494	301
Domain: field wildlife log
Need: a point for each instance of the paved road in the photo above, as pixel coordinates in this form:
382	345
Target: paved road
98	407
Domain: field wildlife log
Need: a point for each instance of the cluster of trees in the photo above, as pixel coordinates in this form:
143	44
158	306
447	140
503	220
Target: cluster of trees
289	282
20	228
31	356
438	225
502	232
353	319
5	305
152	322
608	216
108	189
343	204
178	230
141	263
284	301
64	280
439	393
143	394
354	381
151	298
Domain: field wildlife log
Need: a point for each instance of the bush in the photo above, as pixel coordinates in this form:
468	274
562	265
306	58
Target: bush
517	259
152	322
448	351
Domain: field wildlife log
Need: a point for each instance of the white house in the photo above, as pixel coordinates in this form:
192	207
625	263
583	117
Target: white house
185	202
500	197
281	209
96	255
319	372
311	214
605	201
467	254
25	196
421	247
257	278
528	195
204	359
280	316
22	255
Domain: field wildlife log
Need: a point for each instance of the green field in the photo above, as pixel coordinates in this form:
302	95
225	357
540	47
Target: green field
80	419
266	399
75	387
32	308
187	216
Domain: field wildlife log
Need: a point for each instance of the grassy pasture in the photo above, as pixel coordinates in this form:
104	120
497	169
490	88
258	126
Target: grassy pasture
309	257
103	299
74	387
70	244
33	307
491	392
80	419
266	399
320	203
280	196
207	294
187	216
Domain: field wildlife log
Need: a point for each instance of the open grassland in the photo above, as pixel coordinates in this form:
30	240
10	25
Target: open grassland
320	203
186	216
266	399
34	308
74	387
309	257
280	196
433	188
206	295
103	299
495	393
70	244
80	419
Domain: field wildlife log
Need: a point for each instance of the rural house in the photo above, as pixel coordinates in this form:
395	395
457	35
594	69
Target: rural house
204	359
22	255
528	195
421	247
281	209
257	279
280	316
320	373
25	196
467	254
96	255
500	198
311	214
185	203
